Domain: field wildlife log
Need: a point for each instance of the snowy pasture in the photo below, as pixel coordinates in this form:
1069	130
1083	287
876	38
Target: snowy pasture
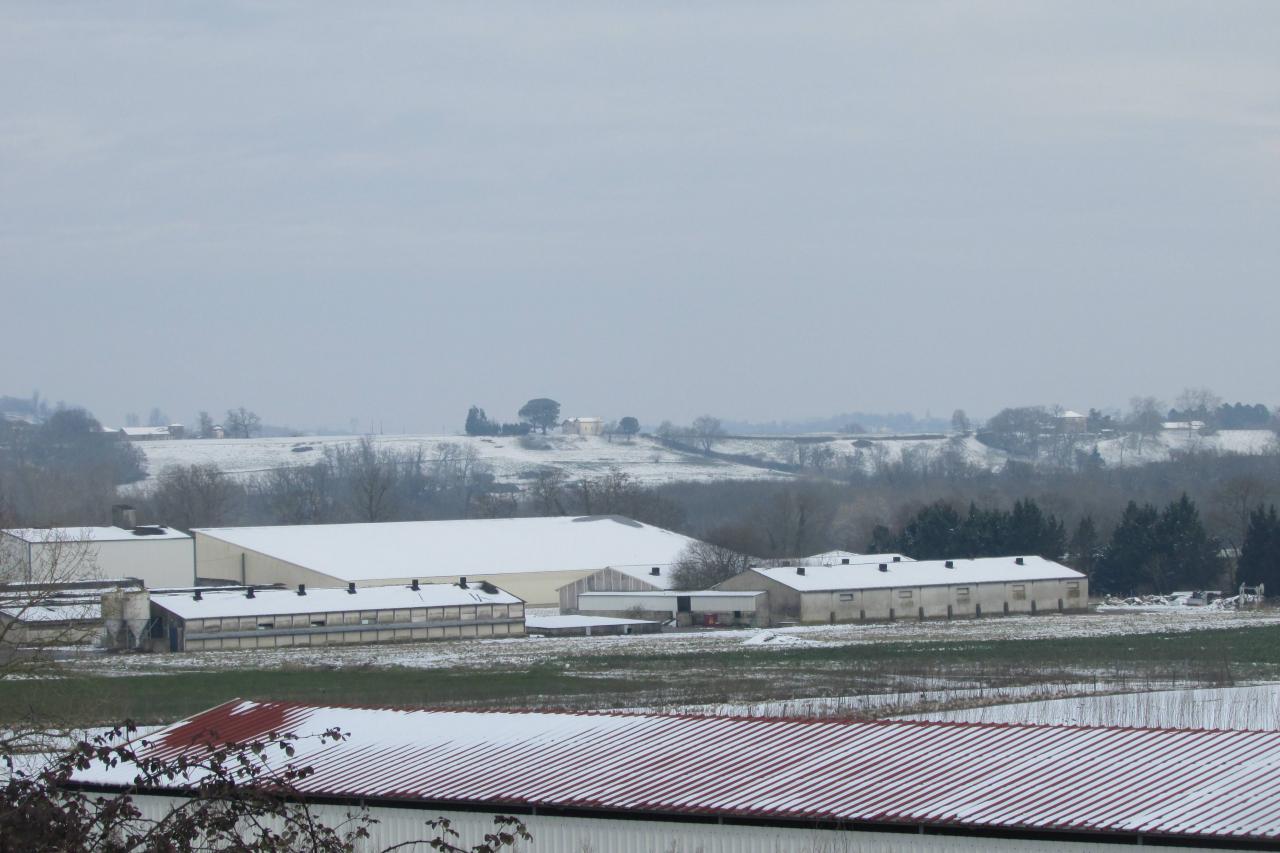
1255	707
511	462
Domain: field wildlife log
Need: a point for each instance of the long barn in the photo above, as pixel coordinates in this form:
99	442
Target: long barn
532	558
618	782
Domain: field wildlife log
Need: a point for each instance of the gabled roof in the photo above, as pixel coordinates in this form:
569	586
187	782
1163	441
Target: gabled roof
474	547
977	778
923	573
216	604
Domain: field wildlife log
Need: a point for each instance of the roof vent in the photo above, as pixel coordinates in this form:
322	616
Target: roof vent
414	586
950	564
1020	561
897	559
462	582
198	596
302	589
351	588
148	530
844	561
655	571
488	588
249	593
884	567
799	570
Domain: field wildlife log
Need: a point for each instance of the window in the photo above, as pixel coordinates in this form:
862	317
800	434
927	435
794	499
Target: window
846	596
1073	589
1019	592
962	594
318	622
266	626
904	594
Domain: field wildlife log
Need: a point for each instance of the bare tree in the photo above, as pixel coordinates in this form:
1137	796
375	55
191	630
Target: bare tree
546	490
1144	418
702	565
706	430
242	422
187	496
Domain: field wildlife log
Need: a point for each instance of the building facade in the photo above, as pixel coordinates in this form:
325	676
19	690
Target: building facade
206	619
157	556
683	608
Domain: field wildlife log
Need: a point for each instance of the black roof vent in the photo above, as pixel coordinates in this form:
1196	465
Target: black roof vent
414	586
799	570
897	559
462	582
351	588
148	530
198	596
655	571
302	589
884	567
950	564
1019	561
249	593
844	561
488	588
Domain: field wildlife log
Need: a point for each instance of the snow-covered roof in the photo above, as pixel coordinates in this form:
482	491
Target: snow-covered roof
1070	415
49	535
1124	783
62	612
142	431
549	622
1175	425
408	549
922	573
215	603
831	558
674	593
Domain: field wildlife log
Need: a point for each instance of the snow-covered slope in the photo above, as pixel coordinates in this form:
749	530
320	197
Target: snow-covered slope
864	453
577	456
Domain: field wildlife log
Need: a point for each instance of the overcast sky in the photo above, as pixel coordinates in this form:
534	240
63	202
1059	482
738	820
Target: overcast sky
757	210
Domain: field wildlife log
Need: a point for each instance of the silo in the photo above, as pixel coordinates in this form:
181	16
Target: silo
112	618
125	618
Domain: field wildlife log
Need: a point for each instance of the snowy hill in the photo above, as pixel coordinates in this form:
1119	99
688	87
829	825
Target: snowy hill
578	456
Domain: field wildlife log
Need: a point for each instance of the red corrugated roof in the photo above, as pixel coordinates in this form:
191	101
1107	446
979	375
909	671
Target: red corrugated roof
1191	783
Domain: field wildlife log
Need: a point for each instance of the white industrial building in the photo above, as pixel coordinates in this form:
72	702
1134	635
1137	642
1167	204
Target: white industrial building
682	607
157	556
905	589
531	558
215	618
628	782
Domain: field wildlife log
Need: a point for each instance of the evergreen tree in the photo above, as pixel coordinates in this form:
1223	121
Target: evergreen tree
1031	531
478	423
931	534
1123	567
1187	557
1260	554
981	534
1084	546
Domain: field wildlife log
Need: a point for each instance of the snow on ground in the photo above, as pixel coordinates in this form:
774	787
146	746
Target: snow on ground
1256	707
579	456
531	651
1132	449
865	453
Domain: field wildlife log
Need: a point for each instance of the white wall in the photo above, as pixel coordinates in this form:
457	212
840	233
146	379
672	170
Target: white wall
589	835
156	562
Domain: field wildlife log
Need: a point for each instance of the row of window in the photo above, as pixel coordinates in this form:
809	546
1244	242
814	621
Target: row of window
359	617
1017	591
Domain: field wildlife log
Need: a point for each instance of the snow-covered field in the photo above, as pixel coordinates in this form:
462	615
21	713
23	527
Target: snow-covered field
531	651
865	454
1128	450
1255	707
577	456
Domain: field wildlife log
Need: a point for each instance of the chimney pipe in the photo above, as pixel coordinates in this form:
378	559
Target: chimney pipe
799	570
1019	561
249	593
844	561
949	564
351	588
897	559
655	571
124	516
414	586
302	589
462	582
198	596
884	567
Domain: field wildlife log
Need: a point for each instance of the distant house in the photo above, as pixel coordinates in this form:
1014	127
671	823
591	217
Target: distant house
218	431
583	426
154	433
1183	426
1070	422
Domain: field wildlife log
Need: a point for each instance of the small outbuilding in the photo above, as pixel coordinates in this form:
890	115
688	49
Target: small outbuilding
588	626
932	589
251	618
743	608
44	614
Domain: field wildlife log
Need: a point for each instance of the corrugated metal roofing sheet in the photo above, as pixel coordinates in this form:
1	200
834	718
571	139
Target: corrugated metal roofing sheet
1185	783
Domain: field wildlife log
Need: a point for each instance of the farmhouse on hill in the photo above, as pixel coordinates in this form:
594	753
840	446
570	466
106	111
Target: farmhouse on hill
905	589
532	558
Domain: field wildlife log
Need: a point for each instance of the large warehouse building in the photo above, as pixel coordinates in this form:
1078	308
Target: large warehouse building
620	783
528	557
932	589
269	618
157	556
